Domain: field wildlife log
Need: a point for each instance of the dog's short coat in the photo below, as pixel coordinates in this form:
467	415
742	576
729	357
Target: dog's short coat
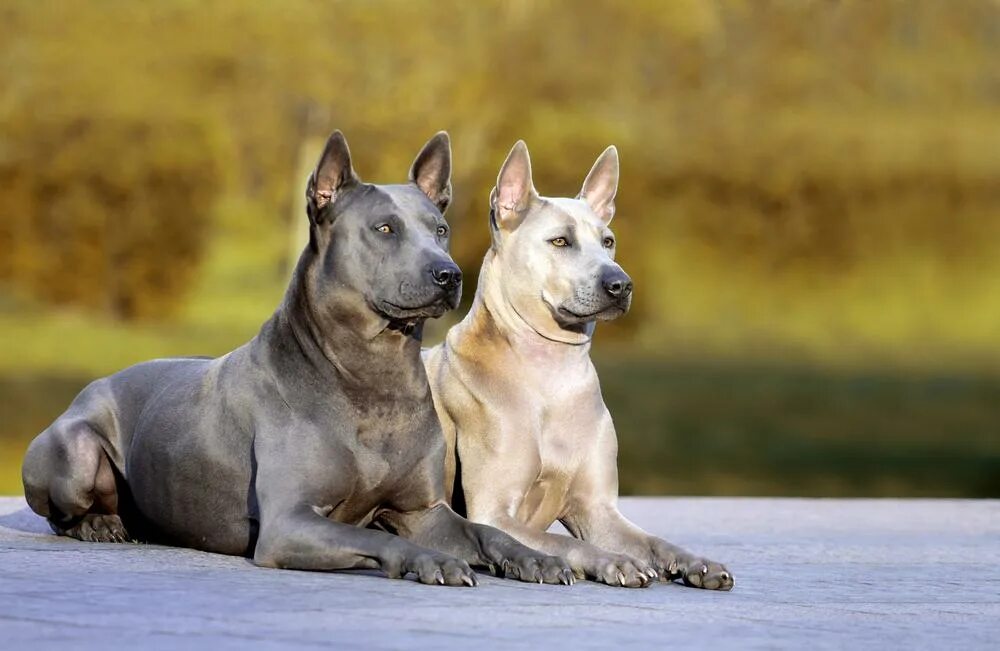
530	439
288	447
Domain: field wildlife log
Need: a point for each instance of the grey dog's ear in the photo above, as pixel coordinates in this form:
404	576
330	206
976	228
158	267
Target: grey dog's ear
601	185
431	170
514	190
333	173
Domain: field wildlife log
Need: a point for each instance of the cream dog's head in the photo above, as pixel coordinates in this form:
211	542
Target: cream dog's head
557	255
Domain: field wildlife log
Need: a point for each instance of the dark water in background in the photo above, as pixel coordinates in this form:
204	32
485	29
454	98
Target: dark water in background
723	430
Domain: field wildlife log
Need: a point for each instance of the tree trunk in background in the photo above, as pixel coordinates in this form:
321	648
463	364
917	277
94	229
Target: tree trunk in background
314	125
298	224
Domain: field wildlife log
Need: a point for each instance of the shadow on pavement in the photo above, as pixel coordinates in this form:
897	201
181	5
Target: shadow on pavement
24	520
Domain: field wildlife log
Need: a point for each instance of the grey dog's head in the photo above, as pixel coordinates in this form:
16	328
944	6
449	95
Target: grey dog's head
558	254
384	244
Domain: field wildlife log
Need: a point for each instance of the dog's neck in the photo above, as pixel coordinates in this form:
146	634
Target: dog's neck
343	337
494	321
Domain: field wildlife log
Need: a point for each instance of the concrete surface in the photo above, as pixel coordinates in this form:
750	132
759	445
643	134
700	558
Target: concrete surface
809	573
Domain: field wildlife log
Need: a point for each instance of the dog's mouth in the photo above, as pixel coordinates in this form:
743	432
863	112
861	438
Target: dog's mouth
413	313
610	312
606	314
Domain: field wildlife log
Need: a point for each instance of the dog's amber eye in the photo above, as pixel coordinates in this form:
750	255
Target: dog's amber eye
384	228
609	242
442	231
559	241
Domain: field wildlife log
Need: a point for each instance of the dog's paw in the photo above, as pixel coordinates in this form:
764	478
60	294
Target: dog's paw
535	567
621	571
432	568
673	563
98	527
703	573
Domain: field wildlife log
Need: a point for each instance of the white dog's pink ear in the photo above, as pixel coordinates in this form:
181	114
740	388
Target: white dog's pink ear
514	191
601	185
431	170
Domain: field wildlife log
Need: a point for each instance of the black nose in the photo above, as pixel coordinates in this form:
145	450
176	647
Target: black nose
446	274
618	284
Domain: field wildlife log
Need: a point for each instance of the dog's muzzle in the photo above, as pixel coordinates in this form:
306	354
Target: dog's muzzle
611	299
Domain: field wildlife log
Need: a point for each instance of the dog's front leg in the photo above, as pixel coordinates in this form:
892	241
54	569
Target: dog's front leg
605	526
303	539
593	516
586	560
296	531
440	528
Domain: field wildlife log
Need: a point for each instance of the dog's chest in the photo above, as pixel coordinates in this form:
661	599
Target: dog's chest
564	434
566	408
386	451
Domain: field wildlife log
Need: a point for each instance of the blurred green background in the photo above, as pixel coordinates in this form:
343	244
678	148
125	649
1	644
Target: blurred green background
809	206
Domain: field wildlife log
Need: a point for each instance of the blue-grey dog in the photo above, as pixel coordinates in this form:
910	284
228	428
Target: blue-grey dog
294	447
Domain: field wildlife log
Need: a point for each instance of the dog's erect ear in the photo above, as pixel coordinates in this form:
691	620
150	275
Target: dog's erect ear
333	173
514	191
431	170
601	185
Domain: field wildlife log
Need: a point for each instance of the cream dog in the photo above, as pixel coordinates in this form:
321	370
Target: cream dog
530	439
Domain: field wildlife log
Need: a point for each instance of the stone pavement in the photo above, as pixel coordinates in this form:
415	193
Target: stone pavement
809	573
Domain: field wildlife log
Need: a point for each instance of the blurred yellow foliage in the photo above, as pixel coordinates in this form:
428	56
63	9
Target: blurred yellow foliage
810	179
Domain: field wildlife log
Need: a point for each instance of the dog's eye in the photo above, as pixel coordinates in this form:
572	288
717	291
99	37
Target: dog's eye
559	241
609	242
384	228
442	231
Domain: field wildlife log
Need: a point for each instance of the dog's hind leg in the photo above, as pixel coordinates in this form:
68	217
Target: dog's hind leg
69	480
